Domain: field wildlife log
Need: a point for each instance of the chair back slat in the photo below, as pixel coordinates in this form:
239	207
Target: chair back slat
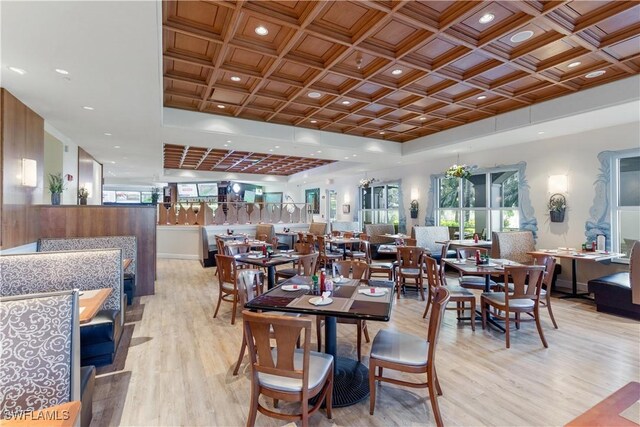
441	269
464	253
527	281
549	263
308	264
237	249
248	285
432	273
410	256
353	269
261	328
227	269
440	299
304	248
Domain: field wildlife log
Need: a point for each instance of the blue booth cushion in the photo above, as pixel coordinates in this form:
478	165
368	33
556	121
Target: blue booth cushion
100	338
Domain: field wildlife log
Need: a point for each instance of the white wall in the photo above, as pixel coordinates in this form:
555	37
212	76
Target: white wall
69	166
572	155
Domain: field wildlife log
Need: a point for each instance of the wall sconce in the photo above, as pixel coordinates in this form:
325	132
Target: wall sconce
29	173
89	187
415	194
347	199
558	184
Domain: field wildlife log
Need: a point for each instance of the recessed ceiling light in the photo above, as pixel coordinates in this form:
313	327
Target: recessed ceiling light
314	95
354	155
116	146
314	121
113	163
574	64
319	151
521	36
18	70
346	158
486	18
261	31
481	97
382	133
396	72
277	146
423	118
541	132
346	102
235	78
107	134
226	145
88	108
222	107
271	150
61	71
311	154
594	74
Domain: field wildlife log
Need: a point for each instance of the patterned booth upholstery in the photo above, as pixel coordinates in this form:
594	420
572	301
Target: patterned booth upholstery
128	244
427	236
345	226
40	363
375	233
513	245
57	271
318	228
270	231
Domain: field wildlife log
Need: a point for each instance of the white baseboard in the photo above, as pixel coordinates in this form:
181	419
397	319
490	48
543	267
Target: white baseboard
177	256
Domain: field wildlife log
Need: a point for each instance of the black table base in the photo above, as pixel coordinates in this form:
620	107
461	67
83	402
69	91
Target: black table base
574	285
350	382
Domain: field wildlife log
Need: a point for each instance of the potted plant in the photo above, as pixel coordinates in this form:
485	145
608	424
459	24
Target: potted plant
155	195
557	205
458	171
56	187
83	193
414	209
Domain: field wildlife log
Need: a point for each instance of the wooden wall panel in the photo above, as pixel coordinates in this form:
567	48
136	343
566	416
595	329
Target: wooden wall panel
22	137
87	221
86	165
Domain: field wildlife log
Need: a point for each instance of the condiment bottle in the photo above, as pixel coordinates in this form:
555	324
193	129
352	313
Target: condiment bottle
477	257
322	279
475	237
264	250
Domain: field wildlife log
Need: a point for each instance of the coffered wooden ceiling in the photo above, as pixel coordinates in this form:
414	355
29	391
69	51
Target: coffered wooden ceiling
395	70
223	160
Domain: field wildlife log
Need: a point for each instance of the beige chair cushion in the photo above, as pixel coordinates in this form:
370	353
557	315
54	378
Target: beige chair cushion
319	365
515	303
387	265
227	286
459	291
410	271
393	346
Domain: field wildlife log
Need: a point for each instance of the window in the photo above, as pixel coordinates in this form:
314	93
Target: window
625	202
480	204
380	204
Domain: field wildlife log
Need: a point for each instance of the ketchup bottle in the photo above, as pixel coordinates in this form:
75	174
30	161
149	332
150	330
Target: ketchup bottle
477	257
264	250
475	237
322	277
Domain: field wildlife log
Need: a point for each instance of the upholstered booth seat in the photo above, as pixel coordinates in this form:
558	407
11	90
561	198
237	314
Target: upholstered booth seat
513	245
376	234
100	338
427	236
319	365
612	294
392	346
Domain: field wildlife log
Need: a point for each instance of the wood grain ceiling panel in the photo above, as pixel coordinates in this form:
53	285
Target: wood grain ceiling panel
394	61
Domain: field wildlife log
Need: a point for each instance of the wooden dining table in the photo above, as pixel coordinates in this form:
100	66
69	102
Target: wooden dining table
467	243
575	256
259	260
343	241
351	383
91	301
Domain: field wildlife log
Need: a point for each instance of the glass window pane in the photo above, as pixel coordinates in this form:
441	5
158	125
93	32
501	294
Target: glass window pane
630	181
366	198
628	230
449	197
393	196
378	198
504	189
367	217
451	219
475	222
474	193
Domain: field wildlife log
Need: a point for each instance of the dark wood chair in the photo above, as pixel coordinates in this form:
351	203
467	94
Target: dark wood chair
525	298
326	258
354	270
306	265
411	354
409	266
376	267
549	263
284	372
227	273
457	294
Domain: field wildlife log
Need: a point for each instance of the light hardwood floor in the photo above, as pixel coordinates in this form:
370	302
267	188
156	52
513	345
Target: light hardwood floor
178	366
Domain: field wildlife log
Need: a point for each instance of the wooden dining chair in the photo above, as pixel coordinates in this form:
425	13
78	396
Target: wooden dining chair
354	270
262	237
306	265
411	354
284	372
525	298
549	263
409	266
227	273
376	267
250	285
469	281
408	241
326	258
457	294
